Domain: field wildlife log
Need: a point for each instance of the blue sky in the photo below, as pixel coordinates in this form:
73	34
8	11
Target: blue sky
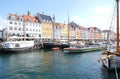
85	12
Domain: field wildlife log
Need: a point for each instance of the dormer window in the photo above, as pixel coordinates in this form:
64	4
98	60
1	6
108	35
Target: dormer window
21	19
36	20
28	19
12	17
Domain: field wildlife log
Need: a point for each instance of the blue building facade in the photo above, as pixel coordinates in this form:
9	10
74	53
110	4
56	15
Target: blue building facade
57	32
86	34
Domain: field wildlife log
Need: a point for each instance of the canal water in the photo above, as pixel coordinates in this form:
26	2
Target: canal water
47	64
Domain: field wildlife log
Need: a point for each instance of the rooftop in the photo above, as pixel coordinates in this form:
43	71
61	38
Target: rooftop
43	18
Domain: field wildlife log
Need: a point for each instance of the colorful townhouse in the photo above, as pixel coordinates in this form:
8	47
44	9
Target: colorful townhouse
94	33
107	34
22	27
46	26
57	31
64	31
73	30
83	33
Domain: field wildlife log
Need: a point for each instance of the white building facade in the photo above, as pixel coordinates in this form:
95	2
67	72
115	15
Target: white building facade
20	26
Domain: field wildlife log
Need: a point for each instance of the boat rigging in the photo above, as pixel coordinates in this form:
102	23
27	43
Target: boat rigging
111	59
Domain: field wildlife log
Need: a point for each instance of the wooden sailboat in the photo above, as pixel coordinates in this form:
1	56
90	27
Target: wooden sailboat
111	59
81	49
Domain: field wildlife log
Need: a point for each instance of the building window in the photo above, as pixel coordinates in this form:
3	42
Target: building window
13	17
30	24
15	28
19	29
15	23
33	24
21	19
26	24
19	23
10	34
26	29
11	28
11	22
36	25
33	30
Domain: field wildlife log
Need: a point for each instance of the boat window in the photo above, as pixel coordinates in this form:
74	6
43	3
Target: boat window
17	45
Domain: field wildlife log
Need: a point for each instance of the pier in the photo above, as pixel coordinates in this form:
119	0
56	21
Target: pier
38	45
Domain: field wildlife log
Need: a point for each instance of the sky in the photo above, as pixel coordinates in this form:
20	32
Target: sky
86	13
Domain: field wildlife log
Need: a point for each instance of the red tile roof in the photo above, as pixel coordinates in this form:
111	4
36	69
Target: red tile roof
94	28
16	16
81	27
29	18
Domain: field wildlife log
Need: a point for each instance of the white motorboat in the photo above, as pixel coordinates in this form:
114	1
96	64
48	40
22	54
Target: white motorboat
17	45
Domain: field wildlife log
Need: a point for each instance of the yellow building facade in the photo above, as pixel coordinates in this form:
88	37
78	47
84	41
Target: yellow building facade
46	30
64	31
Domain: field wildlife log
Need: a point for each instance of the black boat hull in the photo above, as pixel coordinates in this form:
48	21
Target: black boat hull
52	45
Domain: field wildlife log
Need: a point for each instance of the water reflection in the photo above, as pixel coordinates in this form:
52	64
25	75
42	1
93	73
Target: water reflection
46	64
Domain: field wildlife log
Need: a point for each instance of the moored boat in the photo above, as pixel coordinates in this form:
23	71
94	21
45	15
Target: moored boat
83	49
111	58
15	46
53	45
55	48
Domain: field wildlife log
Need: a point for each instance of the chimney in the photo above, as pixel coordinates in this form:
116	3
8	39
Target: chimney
29	13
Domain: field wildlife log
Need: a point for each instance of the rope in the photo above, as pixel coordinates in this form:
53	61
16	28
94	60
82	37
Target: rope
111	25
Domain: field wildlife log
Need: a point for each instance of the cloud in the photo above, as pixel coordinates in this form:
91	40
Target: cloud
102	10
100	18
3	23
77	19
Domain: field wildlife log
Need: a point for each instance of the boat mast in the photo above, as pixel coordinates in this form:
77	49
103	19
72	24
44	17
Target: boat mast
53	23
68	29
117	25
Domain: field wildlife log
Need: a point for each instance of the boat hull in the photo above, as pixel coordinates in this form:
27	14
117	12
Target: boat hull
52	45
16	49
55	48
79	50
15	46
112	63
